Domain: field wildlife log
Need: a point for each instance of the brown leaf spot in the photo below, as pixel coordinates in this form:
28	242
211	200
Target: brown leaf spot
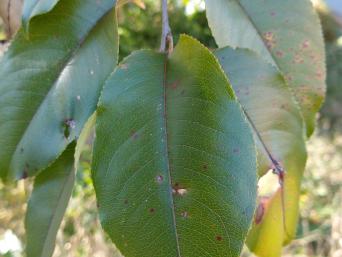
178	190
185	214
306	44
218	238
269	39
151	210
260	211
175	84
279	54
297	59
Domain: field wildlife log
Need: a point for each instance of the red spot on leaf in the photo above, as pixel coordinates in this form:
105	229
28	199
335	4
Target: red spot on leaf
279	54
306	44
175	84
219	238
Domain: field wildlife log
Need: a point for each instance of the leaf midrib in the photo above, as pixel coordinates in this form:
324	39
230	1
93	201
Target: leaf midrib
167	149
275	63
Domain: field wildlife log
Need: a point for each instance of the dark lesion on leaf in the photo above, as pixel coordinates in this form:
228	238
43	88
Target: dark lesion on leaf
179	190
24	174
68	125
218	238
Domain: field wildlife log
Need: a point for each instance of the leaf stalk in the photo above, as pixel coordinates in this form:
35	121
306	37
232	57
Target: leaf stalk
166	44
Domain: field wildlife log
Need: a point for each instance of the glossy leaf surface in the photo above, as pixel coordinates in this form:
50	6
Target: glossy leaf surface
279	133
50	82
50	196
174	164
285	33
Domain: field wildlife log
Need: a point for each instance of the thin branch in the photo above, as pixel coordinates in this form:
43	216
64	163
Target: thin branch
9	18
166	44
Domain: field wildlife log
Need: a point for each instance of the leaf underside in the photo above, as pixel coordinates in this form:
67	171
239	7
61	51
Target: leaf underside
50	82
174	164
32	8
286	33
278	130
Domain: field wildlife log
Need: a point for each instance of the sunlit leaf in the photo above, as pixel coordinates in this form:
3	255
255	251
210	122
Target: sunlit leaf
174	164
278	130
286	33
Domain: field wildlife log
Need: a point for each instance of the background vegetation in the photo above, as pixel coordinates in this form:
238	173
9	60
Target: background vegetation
320	226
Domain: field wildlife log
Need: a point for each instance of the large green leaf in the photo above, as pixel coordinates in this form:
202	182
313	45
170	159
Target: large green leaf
47	204
50	82
279	133
33	8
286	33
174	164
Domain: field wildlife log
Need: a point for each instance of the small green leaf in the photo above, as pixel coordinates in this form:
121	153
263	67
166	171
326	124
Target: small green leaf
87	132
279	133
34	8
174	164
51	81
286	33
50	196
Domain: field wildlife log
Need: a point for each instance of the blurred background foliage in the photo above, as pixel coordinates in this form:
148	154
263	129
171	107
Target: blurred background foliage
320	226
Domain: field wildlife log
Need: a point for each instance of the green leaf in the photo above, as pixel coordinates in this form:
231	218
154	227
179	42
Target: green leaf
279	133
51	81
34	8
286	33
174	164
50	196
87	132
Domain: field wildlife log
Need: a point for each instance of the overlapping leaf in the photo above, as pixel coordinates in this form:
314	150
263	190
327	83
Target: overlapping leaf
47	204
174	163
278	130
50	82
285	33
